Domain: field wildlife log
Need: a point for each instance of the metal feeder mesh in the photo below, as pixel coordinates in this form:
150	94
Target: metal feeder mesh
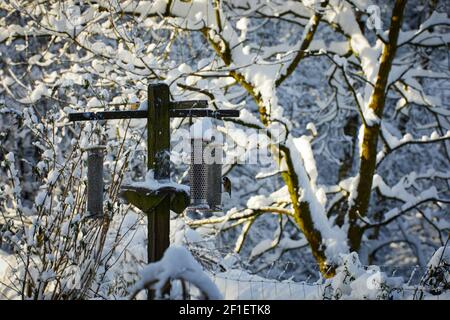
215	178
198	174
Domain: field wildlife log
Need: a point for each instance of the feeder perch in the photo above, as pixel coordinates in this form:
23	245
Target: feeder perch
95	181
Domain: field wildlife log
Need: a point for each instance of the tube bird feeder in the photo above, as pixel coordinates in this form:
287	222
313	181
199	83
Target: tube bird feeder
214	171
95	181
205	170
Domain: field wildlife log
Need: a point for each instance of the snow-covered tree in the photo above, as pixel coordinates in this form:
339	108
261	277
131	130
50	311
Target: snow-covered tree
359	90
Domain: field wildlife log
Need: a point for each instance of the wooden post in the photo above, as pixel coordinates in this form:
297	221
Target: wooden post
158	148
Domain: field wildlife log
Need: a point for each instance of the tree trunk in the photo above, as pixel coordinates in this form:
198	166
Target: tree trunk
371	132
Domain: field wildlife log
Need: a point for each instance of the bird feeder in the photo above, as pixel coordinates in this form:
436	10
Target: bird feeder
156	204
198	175
205	171
215	177
95	180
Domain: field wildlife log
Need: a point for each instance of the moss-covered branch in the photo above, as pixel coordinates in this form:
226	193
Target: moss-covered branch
370	136
307	39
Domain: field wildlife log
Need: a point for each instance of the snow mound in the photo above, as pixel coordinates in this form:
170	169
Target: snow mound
177	263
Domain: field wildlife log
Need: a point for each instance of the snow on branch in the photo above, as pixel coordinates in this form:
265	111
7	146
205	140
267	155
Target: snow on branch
393	143
429	195
332	236
176	264
424	36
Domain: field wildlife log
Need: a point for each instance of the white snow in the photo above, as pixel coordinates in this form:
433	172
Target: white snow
440	257
94	102
40	198
310	126
177	263
143	106
242	24
259	201
52	176
247	117
303	145
370	117
333	237
354	281
38	92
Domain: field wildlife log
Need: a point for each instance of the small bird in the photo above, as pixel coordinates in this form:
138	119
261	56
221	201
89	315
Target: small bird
226	185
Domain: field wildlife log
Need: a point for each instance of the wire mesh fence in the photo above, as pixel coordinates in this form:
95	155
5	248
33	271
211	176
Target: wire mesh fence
281	280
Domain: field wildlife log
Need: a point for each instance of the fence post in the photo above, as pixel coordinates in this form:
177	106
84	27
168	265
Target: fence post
158	157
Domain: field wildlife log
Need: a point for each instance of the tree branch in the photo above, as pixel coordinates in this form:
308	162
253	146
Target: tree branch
371	133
